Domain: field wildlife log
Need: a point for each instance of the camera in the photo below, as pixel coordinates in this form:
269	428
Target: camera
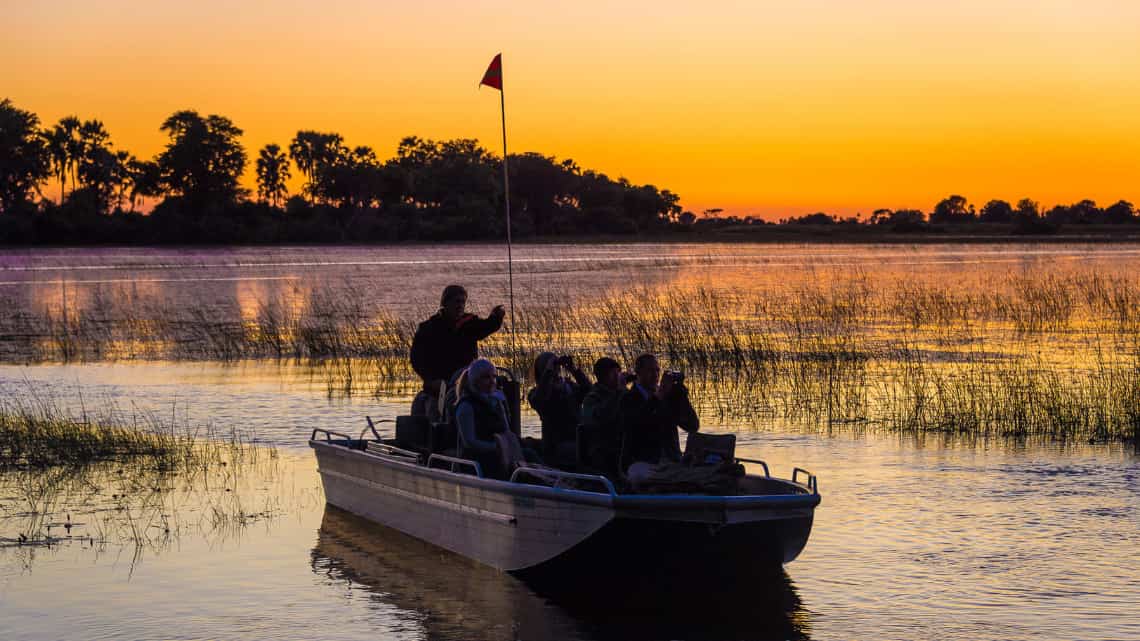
629	377
678	378
564	361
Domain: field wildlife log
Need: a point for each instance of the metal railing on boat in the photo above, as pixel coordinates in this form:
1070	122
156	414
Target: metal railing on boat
455	461
812	482
558	476
328	434
756	461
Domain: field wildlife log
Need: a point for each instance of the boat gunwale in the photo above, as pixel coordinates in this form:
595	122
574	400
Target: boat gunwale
805	499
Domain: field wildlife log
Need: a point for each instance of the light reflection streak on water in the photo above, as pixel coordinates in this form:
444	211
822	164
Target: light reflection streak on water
669	253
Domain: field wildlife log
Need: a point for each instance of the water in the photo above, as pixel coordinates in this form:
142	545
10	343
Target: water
918	537
914	540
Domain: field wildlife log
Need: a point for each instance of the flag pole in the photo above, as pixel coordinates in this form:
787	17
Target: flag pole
507	201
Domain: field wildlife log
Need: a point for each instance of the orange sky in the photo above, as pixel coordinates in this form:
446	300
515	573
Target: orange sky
757	107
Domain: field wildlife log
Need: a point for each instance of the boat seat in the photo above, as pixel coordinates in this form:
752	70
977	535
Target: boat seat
413	433
709	448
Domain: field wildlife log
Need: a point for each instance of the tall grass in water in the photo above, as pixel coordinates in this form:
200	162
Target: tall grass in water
138	482
36	432
1049	352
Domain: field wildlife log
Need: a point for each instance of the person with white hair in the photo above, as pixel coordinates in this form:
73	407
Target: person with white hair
480	414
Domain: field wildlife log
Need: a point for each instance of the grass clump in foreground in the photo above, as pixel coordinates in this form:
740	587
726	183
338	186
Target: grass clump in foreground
38	433
137	480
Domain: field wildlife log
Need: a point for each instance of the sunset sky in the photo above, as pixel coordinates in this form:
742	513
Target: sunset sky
768	108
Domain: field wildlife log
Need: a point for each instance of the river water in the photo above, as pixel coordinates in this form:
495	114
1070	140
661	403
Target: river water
925	536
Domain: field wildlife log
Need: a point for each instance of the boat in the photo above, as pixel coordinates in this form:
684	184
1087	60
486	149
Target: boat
568	523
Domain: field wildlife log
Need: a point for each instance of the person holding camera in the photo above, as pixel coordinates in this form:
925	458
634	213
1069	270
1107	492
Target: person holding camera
557	398
651	411
600	412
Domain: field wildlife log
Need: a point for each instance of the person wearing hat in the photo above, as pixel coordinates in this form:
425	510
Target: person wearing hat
559	387
601	439
446	343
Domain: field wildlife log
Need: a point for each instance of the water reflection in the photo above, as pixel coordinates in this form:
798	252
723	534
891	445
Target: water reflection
453	598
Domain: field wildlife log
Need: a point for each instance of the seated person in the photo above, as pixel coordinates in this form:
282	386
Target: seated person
558	401
600	409
483	422
650	413
481	413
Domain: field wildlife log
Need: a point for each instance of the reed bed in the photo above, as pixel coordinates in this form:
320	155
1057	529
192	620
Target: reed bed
104	480
36	432
1052	353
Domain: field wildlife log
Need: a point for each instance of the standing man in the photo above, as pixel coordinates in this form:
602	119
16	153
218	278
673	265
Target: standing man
446	343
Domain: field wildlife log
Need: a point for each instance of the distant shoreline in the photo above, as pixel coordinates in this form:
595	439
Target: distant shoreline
775	234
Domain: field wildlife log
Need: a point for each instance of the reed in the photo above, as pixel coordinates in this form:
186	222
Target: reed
1052	352
137	481
36	432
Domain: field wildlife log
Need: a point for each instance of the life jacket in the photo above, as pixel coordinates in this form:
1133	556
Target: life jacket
488	422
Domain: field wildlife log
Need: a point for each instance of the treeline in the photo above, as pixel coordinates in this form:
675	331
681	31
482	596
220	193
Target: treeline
428	190
955	212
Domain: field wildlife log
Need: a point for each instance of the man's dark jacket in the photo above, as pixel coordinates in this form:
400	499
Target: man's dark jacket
559	406
649	426
440	348
601	422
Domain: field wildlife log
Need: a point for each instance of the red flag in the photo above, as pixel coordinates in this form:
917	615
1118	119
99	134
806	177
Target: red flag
494	75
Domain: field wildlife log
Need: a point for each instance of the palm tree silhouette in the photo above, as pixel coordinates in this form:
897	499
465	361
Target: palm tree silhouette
64	148
302	150
314	152
272	172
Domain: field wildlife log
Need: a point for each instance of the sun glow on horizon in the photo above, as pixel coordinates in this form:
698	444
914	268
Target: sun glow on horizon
756	108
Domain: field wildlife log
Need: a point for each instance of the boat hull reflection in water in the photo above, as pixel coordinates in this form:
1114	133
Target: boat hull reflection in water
452	597
581	529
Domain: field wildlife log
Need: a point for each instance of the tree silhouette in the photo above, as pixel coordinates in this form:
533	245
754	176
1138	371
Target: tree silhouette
542	189
272	173
314	153
203	160
100	173
1027	210
996	211
145	179
64	148
102	178
347	178
1120	212
23	155
1085	212
954	209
